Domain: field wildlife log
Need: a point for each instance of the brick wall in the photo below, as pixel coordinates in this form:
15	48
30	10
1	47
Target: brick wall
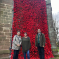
5	25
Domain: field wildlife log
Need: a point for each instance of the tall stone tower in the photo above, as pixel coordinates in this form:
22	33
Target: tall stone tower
52	32
5	24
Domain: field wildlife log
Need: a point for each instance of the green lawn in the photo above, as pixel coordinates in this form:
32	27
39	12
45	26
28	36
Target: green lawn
55	58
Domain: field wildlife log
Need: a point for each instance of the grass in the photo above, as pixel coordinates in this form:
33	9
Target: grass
55	58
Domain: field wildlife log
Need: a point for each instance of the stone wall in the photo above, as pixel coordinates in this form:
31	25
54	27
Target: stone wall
5	25
52	32
9	2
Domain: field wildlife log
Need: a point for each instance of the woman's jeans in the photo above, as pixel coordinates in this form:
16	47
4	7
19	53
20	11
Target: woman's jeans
28	56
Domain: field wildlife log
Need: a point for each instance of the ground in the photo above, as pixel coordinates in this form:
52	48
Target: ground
8	58
55	58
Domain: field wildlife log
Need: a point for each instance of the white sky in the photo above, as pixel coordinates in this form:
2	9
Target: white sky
55	6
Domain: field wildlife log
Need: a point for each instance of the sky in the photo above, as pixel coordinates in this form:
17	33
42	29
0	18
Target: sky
55	6
55	10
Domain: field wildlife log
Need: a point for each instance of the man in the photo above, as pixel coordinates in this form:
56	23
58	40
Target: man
16	45
40	43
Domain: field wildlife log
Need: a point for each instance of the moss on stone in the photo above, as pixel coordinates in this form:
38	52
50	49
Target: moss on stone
4	51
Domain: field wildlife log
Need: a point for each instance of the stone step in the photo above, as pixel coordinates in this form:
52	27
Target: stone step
5	58
4	52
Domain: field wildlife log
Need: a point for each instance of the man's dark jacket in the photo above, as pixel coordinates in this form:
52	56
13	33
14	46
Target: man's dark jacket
41	39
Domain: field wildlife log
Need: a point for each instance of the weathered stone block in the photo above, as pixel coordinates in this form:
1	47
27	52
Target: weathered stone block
7	43
8	1
1	48
10	21
10	14
7	25
4	51
5	13
8	34
7	10
1	25
1	29
1	33
9	37
6	21
2	9
5	47
1	12
6	30
1	21
2	6
9	7
0	40
10	17
2	37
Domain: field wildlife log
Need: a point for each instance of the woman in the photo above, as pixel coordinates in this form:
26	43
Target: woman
16	45
26	45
